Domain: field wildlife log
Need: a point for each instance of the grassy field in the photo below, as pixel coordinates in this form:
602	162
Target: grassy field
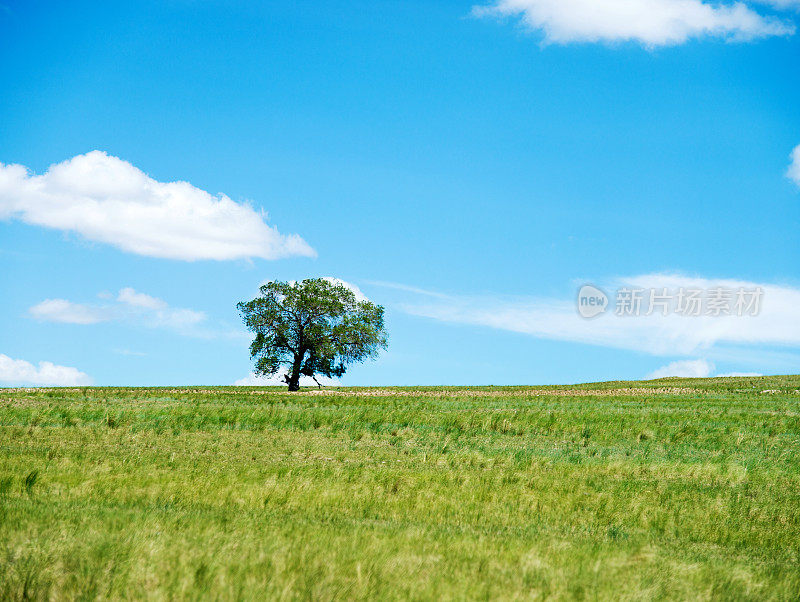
661	489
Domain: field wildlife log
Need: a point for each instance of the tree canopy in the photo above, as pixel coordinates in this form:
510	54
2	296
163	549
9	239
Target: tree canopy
314	327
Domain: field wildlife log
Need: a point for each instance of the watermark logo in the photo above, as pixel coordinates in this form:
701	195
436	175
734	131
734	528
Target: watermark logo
591	301
632	301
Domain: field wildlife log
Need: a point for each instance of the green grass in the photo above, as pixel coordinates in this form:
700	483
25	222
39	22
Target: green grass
666	489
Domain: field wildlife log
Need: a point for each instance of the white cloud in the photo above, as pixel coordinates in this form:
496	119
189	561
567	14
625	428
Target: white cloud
20	372
255	380
793	173
131	297
700	368
684	368
108	200
156	313
67	312
649	22
130	306
360	296
776	324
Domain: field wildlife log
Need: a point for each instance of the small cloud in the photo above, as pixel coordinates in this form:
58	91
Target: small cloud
133	307
684	368
67	312
650	22
360	296
257	380
134	299
21	372
108	200
793	173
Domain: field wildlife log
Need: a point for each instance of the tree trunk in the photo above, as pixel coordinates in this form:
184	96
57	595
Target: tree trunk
294	377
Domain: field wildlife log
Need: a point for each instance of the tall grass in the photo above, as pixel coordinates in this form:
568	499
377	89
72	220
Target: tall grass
660	490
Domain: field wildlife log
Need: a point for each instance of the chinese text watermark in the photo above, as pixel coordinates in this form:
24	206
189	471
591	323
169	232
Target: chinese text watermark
683	301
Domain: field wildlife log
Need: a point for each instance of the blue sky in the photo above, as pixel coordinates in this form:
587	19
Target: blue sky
466	165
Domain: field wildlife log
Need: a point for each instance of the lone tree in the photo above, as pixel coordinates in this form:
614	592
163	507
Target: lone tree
312	327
